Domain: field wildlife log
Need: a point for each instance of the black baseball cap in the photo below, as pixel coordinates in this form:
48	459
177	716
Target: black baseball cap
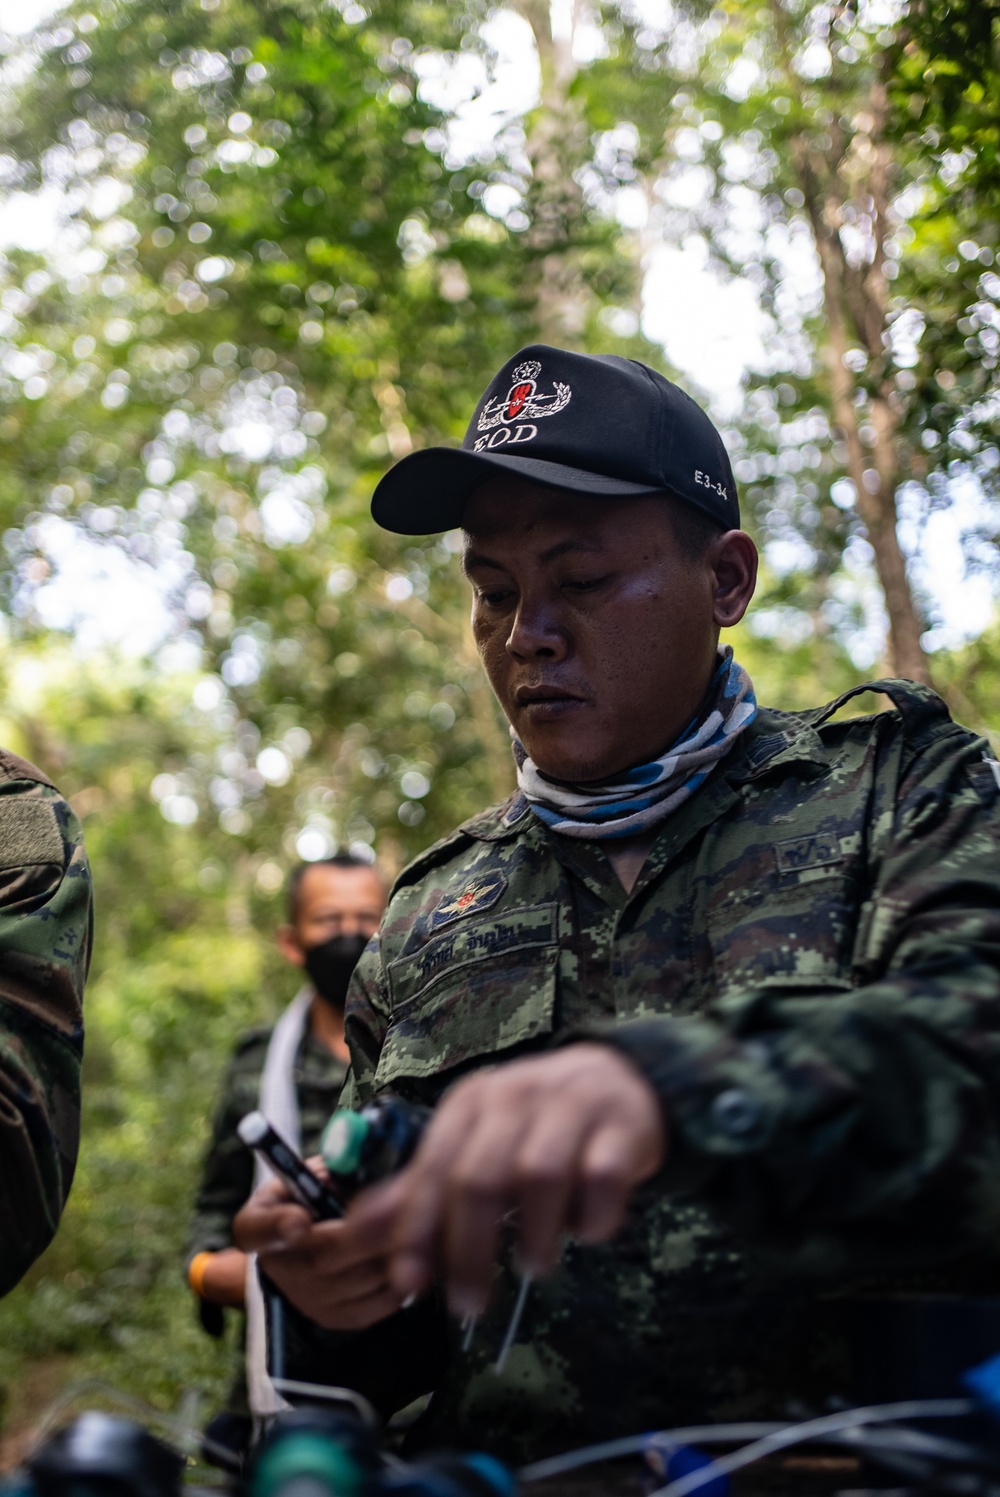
591	423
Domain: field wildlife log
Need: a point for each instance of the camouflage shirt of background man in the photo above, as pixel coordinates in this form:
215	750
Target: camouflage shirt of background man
715	1027
46	926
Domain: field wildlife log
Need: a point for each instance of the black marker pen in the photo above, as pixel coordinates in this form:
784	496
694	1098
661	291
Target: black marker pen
311	1192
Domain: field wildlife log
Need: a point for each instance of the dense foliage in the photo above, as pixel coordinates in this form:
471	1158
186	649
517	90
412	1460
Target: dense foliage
283	265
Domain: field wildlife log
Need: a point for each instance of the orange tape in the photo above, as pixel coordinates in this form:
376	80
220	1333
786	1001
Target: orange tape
196	1273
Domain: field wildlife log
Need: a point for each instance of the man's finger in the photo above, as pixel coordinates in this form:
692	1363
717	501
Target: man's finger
480	1188
422	1193
270	1222
472	1219
546	1174
361	1282
359	1314
347	1303
608	1171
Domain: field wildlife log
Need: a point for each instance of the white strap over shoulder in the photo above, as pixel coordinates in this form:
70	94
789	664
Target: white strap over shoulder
280	1106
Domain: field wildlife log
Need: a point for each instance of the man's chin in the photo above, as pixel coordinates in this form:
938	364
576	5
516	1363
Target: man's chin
569	760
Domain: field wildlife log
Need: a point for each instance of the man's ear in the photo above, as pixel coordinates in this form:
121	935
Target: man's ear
734	562
290	946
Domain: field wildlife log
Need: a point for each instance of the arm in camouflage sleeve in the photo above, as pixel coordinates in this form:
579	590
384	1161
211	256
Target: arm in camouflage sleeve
45	937
863	1127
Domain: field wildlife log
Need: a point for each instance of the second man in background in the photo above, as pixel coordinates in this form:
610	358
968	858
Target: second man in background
293	1072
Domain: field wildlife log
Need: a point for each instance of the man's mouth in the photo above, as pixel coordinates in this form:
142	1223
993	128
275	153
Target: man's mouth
542	701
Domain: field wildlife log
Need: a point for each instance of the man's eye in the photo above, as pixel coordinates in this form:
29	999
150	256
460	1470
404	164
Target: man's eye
496	598
584	584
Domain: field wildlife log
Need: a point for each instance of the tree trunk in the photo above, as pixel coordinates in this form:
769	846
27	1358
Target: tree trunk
873	474
555	146
856	170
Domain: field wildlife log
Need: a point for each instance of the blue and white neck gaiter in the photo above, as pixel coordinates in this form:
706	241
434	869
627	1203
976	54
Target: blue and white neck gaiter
646	795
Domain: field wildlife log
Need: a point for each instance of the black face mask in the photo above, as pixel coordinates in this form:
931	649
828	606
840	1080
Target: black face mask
330	965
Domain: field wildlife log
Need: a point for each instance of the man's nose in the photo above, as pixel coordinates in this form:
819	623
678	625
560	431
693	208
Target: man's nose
537	632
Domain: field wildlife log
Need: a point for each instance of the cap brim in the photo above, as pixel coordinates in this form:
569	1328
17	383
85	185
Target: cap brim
428	490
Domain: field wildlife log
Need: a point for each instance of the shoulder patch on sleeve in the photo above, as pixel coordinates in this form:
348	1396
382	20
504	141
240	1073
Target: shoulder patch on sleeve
13	767
29	832
478	895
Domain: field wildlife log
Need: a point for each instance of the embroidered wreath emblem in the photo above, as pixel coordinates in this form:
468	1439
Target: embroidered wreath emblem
522	401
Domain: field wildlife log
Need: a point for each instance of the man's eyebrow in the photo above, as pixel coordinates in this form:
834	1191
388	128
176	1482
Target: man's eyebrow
574	543
474	559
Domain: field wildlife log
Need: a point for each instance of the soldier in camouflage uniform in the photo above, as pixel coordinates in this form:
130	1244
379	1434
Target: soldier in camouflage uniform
333	908
46	926
746	994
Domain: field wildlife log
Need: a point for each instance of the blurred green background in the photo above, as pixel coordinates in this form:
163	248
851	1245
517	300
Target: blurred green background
286	243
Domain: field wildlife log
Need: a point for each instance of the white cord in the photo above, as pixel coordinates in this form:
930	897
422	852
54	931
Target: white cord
330	1394
612	1450
812	1429
178	1428
513	1323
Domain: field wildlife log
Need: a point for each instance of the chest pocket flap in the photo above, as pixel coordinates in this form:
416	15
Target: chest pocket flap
478	988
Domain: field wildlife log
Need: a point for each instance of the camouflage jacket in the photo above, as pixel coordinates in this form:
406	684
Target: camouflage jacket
227	1176
46	926
808	972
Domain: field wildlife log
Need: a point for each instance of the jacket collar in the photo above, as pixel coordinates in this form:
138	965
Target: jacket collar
506	820
775	740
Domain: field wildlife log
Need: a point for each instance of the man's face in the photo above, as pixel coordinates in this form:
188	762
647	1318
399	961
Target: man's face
333	902
598	634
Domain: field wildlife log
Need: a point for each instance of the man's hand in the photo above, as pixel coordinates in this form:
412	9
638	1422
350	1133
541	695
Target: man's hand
561	1139
334	1271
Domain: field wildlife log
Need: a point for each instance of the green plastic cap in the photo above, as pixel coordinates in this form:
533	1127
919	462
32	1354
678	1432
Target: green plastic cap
305	1454
343	1139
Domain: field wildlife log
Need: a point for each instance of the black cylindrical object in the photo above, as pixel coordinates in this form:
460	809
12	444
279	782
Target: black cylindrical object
103	1455
361	1147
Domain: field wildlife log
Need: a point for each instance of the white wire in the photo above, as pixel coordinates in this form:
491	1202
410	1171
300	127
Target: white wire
611	1450
330	1394
513	1323
178	1428
812	1429
469	1324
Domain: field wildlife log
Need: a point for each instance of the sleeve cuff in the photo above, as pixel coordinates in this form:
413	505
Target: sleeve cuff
721	1099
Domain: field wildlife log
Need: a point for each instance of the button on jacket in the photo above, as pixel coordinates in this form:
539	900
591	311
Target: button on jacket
808	972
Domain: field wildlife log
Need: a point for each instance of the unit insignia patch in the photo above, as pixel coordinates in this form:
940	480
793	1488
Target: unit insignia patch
475	897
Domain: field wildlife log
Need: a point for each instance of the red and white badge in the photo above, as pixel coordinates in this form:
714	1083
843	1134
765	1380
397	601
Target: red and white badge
523	401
